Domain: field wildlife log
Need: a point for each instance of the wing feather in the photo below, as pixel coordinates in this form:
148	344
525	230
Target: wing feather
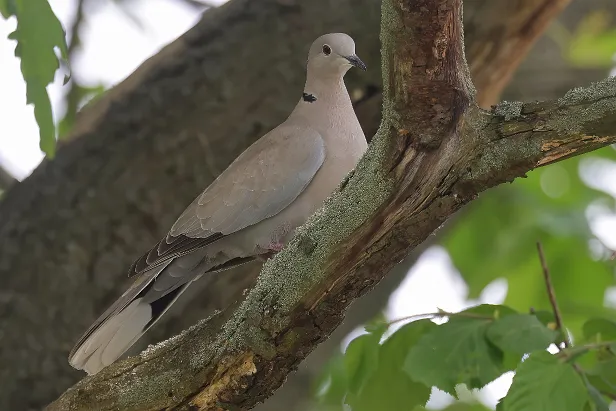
260	183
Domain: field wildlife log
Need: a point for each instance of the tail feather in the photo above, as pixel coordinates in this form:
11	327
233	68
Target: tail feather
120	331
124	328
138	309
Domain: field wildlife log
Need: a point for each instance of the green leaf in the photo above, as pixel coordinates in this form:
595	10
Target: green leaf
38	33
462	406
520	333
390	390
544	383
4	9
7	8
453	353
331	386
361	360
496	312
37	95
495	238
389	387
395	349
378	325
599	330
492	311
598	401
546	318
603	376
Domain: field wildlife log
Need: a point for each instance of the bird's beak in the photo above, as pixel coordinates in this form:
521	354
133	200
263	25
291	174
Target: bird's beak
355	61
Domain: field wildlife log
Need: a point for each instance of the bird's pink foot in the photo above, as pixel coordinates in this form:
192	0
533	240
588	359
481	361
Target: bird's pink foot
275	247
270	251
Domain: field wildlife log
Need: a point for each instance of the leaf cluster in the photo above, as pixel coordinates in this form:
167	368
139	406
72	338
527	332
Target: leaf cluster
475	347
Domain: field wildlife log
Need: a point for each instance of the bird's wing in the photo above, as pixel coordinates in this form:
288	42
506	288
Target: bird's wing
260	183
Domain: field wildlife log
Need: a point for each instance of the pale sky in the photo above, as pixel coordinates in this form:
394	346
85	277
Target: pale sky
115	46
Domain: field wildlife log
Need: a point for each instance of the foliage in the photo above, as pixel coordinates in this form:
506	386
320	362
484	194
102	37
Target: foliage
38	34
472	348
496	238
593	43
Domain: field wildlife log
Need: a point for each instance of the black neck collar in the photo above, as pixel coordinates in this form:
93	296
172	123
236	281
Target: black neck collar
310	98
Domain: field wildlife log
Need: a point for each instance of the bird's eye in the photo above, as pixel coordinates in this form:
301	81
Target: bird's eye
327	50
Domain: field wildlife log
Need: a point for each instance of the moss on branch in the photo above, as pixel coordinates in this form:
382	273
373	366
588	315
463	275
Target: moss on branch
400	192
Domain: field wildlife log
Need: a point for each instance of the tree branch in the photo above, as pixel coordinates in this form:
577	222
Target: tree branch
552	296
434	152
493	61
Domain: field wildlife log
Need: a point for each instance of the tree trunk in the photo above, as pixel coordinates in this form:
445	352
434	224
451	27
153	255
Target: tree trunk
136	158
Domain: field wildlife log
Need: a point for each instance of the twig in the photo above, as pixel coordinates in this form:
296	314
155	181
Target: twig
552	294
440	314
608	394
580	349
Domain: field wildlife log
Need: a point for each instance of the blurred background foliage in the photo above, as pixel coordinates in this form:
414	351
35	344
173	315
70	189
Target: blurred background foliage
551	205
569	207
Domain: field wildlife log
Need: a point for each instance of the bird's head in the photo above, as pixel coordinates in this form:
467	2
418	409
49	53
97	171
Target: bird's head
333	54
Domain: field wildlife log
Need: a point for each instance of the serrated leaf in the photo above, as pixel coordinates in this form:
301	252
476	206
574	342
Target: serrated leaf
361	359
599	330
520	333
37	95
38	33
454	353
544	383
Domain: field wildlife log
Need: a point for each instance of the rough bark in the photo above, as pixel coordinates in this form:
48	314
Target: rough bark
6	179
434	152
139	155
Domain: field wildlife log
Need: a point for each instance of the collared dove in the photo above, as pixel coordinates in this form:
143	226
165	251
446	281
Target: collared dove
250	210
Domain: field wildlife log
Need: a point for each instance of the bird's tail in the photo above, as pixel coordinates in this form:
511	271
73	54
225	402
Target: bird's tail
124	322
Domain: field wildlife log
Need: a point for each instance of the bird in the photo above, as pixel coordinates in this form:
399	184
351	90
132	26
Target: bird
250	211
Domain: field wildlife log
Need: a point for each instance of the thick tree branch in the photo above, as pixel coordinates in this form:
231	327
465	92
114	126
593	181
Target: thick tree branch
505	42
434	152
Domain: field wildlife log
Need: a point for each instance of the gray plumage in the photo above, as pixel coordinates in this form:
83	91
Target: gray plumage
251	209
